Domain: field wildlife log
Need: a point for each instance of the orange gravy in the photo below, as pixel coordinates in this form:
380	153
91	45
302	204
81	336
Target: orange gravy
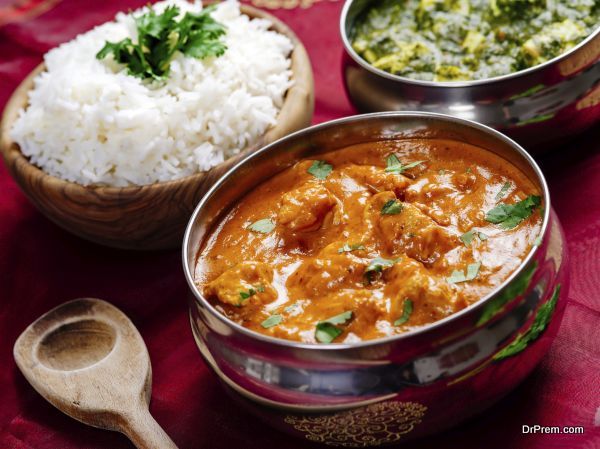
369	241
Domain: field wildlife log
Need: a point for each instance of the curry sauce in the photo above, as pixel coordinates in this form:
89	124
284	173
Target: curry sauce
369	241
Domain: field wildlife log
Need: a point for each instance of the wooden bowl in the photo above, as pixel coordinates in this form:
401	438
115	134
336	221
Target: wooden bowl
152	216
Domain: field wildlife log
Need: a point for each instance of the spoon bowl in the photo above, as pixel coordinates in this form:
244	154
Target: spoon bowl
87	359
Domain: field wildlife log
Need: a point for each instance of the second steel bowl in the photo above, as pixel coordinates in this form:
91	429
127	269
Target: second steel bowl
397	388
539	107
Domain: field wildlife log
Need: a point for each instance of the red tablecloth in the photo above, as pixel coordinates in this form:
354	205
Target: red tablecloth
42	266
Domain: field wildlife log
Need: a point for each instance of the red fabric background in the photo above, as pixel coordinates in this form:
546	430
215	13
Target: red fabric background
42	266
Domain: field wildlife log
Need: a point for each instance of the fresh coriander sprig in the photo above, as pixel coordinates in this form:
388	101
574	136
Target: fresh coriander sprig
160	36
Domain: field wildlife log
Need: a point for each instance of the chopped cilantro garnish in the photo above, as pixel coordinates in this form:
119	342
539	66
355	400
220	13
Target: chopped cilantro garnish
392	207
244	295
508	216
507	185
320	169
160	36
251	292
407	309
273	320
458	276
377	265
263	226
349	248
327	330
467	237
393	164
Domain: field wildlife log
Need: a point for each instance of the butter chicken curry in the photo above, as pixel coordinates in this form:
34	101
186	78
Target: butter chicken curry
370	241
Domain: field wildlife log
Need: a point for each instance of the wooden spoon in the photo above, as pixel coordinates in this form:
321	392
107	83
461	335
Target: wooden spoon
89	361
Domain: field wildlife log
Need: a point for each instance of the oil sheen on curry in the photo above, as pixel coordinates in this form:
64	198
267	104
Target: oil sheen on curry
370	241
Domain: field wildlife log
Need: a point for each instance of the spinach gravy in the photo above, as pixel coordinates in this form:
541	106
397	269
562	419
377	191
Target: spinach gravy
457	40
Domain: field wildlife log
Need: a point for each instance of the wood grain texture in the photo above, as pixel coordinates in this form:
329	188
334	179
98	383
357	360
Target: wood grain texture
87	359
152	216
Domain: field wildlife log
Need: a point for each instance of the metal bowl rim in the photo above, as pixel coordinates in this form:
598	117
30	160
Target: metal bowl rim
444	84
378	341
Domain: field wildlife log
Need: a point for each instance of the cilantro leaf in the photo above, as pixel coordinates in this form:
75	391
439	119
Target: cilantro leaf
507	185
349	248
160	36
326	331
458	276
272	321
377	265
244	295
392	207
248	294
508	216
393	164
263	226
407	309
467	237
320	169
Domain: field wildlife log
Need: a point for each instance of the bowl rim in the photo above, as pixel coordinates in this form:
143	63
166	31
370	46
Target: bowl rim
292	344
11	150
444	84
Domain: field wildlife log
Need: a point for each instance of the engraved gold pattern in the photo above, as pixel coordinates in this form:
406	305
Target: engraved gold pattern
373	425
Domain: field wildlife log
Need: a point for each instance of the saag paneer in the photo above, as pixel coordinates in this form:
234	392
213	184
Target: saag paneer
455	40
370	241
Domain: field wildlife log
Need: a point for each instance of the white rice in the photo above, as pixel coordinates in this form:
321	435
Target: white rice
91	123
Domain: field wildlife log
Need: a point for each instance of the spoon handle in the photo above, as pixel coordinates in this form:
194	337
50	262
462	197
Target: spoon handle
145	433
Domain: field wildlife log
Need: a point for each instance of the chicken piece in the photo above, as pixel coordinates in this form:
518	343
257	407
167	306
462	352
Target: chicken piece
366	309
428	190
316	277
243	284
305	208
409	230
432	299
376	179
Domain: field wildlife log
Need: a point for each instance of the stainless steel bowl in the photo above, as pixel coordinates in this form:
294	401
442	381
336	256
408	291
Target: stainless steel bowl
538	107
396	388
